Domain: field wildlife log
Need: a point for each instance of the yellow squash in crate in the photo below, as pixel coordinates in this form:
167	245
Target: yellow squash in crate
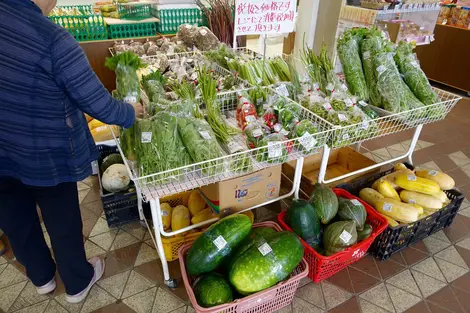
103	133
426	201
399	211
203	215
412	182
444	181
180	218
391	178
390	220
166	209
370	196
195	203
95	124
387	190
441	196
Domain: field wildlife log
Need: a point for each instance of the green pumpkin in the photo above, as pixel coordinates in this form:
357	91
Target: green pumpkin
303	220
339	236
365	233
352	211
325	203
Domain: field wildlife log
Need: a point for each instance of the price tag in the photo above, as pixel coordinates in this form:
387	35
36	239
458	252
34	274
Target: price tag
366	55
307	141
164	213
257	132
345	136
205	135
250	119
356	202
433	173
284	132
342	117
277	127
234	147
365	125
146	137
130	99
344	87
330	87
345	236
274	149
387	207
412	201
220	243
414	63
282	89
348	102
363	103
327	106
381	69
265	248
411	177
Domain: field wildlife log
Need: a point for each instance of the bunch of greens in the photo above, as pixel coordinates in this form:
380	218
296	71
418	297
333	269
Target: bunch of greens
221	55
281	68
314	68
257	95
273	149
127	141
305	131
349	55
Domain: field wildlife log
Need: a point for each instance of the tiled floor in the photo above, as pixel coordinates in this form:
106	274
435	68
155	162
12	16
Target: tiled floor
431	276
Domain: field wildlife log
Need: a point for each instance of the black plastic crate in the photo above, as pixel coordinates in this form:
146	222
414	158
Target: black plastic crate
395	239
119	207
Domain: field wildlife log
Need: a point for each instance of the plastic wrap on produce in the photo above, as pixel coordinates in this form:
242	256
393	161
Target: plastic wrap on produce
127	83
188	34
274	149
370	46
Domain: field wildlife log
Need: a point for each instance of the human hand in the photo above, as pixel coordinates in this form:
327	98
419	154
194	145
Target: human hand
138	109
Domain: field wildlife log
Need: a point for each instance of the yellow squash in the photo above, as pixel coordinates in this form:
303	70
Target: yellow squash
399	166
195	203
165	208
399	211
412	182
391	178
441	196
390	220
95	124
370	196
444	181
103	133
88	118
426	201
387	190
250	215
180	218
418	208
203	215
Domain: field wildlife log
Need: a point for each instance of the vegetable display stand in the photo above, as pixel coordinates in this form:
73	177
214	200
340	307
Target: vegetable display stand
395	239
172	16
130	30
84	25
266	301
321	267
153	187
135	11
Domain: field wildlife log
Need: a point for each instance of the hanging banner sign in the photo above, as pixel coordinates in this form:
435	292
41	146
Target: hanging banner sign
254	17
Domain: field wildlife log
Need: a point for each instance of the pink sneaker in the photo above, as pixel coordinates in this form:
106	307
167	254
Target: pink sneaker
98	265
47	288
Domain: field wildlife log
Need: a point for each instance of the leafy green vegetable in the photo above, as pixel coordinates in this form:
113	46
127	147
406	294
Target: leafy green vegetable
274	149
370	46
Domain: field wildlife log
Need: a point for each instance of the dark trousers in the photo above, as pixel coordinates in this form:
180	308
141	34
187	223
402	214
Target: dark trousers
60	211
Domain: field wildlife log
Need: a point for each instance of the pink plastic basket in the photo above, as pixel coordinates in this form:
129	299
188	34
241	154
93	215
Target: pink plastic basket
266	301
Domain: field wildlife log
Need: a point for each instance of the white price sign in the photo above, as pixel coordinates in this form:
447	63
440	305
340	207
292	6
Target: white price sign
264	16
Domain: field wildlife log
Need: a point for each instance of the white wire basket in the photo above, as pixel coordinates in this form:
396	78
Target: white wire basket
391	123
245	161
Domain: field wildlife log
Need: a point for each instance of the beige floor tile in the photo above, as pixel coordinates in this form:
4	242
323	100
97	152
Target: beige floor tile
104	240
451	255
441	236
146	254
405	281
11	276
313	294
398	147
379	296
435	245
382	152
142	302
28	297
55	307
3	267
464	243
82	194
465	212
302	306
465	203
97	298
394	153
136	284
451	272
122	240
424	144
3	260
334	296
70	307
100	227
427	284
115	284
431	165
430	268
166	302
135	229
92	249
286	309
459	158
82	186
401	299
368	307
191	310
9	294
36	308
147	236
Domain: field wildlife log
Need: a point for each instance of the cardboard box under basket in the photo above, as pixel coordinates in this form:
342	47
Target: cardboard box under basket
231	196
341	161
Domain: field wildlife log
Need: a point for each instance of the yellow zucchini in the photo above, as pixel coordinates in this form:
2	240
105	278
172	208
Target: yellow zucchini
441	196
412	182
195	203
370	195
386	189
399	166
180	218
203	215
399	211
103	133
444	181
391	221
391	178
165	208
419	208
426	201
95	124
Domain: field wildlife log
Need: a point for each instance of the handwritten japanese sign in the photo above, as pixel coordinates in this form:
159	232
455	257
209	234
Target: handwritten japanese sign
264	16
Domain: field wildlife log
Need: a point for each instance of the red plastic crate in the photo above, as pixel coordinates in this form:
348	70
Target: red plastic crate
321	267
266	301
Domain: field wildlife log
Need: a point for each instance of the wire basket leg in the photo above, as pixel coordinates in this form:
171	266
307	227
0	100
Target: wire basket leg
413	143
154	208
140	209
299	166
324	164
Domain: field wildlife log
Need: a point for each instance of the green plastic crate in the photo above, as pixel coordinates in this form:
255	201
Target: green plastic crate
132	30
135	12
171	19
85	27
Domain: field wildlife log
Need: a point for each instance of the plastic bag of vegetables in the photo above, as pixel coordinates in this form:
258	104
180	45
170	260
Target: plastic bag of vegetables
305	131
274	149
255	132
371	45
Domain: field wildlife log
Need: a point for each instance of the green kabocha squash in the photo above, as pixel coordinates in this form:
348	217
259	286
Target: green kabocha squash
325	203
339	236
304	221
365	233
352	210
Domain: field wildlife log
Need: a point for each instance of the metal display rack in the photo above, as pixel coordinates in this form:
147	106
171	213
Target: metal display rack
153	187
